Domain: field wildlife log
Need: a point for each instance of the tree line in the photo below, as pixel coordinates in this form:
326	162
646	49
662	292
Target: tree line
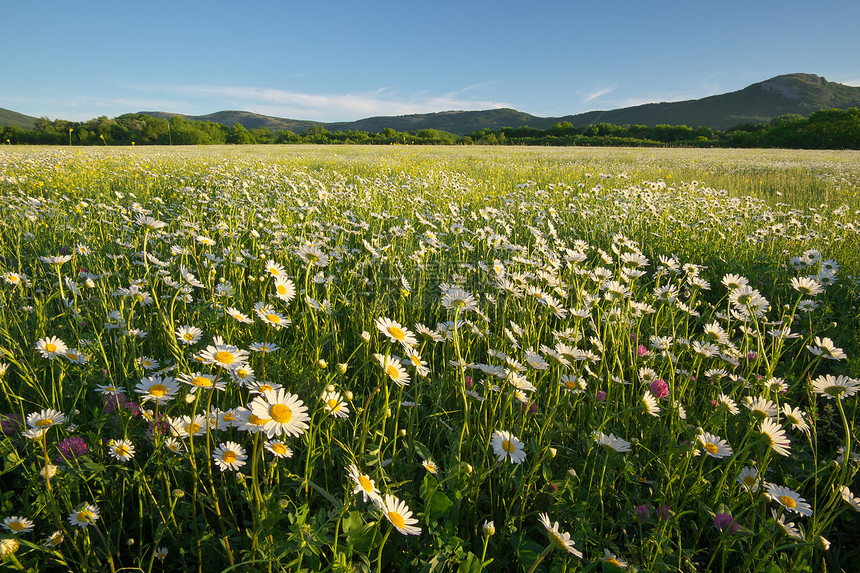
825	129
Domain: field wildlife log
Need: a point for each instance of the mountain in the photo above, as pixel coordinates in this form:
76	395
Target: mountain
799	94
13	118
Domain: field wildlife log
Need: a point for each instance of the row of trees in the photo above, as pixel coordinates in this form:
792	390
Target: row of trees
826	129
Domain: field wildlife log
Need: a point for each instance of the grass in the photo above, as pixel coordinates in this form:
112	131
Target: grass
428	359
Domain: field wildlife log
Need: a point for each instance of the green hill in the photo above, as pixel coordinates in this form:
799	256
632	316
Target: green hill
15	119
799	94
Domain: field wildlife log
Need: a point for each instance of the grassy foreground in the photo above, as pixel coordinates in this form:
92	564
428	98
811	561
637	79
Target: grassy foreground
429	359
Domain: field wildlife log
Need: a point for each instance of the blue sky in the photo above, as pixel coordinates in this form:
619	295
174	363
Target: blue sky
345	60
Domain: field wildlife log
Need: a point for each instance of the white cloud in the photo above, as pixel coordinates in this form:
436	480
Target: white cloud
597	94
320	107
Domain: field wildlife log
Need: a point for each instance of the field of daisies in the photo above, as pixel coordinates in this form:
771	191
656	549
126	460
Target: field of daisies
429	359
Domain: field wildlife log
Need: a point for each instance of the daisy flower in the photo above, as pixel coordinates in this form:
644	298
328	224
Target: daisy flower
363	485
17	524
269	316
189	334
123	450
199	381
158	389
715	446
55	539
761	407
229	456
456	298
278	448
51	347
147	363
284	289
849	498
749	478
391	365
399	515
506	445
312	255
420	365
788	499
775	436
573	384
395	332
238	315
335	405
242	375
430	466
611	442
806	286
75	356
612	559
86	514
186	426
831	386
284	413
264	347
45	419
224	355
825	348
275	269
560	539
650	404
188	277
788	527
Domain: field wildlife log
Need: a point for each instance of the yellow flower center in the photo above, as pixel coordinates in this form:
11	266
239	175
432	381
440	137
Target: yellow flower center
158	390
202	381
396	333
749	480
192	428
122	451
392	371
508	446
281	413
333	405
787	501
711	447
71	356
257	421
16	526
364	481
50	347
241	373
228	417
45	423
282	289
84	516
570	385
229	457
188	336
264	387
273	318
396	519
224	357
279	448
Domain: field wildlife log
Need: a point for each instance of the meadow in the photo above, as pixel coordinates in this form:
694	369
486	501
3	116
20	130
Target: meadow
429	359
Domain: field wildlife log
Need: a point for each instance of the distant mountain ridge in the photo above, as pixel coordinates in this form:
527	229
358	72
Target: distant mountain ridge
761	102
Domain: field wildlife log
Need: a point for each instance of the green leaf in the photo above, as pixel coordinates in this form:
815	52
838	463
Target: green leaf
472	564
439	504
422	450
